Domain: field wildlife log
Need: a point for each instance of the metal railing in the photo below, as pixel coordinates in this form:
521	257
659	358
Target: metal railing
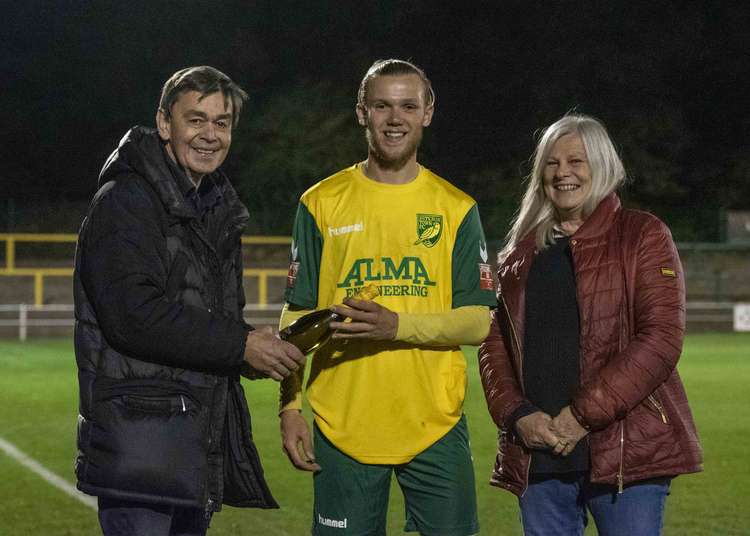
40	273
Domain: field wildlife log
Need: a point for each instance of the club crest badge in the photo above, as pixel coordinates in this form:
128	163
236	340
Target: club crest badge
429	229
291	276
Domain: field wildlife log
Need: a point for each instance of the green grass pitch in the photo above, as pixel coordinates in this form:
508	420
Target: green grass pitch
38	397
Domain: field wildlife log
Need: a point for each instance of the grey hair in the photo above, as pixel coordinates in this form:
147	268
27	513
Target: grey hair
536	210
206	81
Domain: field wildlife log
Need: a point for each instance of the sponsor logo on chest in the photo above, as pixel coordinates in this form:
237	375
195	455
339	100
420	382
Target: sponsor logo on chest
407	276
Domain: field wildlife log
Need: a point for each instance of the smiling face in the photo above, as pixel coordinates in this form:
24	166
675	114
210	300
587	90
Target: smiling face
567	177
198	132
395	115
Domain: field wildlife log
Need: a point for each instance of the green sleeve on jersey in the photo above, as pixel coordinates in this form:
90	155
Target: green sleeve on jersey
307	245
469	254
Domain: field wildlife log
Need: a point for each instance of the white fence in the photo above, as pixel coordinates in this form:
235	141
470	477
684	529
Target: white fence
23	321
24	316
701	315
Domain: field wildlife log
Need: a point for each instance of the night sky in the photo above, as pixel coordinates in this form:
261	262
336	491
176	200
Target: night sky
671	80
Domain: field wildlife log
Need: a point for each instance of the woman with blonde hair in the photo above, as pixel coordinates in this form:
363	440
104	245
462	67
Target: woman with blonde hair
579	366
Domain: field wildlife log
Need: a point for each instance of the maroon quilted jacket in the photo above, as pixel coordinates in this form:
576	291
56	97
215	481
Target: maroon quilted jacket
631	301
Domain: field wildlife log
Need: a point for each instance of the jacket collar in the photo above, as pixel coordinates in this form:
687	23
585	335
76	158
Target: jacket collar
601	219
141	152
598	223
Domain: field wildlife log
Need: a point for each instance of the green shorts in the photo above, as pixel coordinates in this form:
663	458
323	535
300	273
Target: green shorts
351	498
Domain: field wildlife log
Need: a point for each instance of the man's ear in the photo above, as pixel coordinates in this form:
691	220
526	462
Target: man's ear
162	124
428	115
361	115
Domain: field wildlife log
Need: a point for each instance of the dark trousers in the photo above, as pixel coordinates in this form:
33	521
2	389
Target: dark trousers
127	518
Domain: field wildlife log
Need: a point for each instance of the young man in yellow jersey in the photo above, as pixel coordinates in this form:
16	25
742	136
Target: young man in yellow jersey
387	391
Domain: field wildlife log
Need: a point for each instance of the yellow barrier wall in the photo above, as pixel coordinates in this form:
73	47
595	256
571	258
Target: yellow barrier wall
40	273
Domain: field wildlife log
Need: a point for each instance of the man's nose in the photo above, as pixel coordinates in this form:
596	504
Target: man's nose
394	117
208	131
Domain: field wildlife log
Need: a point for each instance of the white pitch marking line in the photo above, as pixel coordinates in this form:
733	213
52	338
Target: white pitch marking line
60	483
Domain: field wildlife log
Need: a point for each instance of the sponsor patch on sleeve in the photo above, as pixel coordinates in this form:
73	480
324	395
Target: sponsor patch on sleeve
668	272
291	276
485	277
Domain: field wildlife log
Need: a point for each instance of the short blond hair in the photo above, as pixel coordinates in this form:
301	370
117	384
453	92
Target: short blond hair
394	67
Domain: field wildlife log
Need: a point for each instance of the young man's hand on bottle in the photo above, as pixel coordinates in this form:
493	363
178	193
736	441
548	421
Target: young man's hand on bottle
369	320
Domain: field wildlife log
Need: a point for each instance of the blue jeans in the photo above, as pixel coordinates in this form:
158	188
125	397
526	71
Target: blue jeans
128	518
558	505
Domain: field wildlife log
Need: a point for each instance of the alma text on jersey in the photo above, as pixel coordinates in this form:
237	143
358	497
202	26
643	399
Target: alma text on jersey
409	269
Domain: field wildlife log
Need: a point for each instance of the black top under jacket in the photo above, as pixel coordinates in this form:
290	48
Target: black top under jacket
551	347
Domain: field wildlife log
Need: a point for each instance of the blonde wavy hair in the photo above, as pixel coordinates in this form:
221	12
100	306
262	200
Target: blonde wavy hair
536	210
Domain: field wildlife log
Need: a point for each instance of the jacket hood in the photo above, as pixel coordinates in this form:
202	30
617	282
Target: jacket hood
140	152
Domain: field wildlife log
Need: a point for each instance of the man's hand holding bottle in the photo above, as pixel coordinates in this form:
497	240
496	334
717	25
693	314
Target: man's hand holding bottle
270	356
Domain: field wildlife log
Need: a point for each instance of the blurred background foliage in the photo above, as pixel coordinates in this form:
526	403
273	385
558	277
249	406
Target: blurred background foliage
670	79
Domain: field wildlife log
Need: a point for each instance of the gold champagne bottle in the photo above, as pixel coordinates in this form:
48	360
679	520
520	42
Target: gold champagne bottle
312	330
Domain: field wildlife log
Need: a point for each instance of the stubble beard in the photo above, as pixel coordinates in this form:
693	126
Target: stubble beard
390	163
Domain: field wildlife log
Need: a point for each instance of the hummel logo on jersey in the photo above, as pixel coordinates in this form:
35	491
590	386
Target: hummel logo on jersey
483	251
354	228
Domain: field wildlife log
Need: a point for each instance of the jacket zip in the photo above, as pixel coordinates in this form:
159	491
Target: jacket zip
659	407
209	509
622	448
218	305
213	267
625	321
515	340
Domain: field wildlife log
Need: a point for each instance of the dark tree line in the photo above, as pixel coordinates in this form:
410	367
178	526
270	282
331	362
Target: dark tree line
670	79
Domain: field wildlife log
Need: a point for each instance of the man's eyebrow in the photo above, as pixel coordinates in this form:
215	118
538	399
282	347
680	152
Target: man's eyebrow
198	113
397	100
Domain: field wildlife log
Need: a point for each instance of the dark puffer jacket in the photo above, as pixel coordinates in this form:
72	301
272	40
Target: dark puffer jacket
159	340
631	302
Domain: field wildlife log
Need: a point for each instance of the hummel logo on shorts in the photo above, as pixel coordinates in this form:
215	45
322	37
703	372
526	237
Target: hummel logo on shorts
335	523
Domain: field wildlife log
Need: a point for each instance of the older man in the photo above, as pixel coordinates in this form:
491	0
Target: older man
163	433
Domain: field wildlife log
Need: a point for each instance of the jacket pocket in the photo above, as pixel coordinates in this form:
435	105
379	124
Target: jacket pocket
149	438
656	404
164	405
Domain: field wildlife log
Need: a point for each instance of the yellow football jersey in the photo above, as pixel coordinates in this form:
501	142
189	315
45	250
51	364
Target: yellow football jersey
422	244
